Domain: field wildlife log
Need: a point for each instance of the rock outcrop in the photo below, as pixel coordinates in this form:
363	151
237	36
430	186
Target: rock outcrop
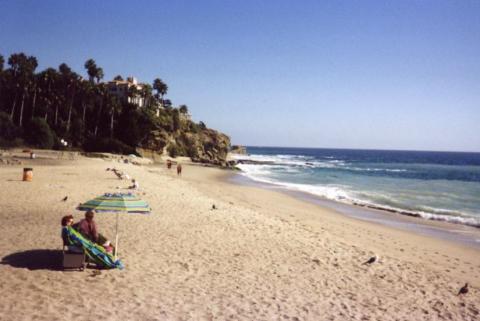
201	144
238	149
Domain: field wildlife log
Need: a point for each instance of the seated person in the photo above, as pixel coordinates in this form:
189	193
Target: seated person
135	185
88	228
97	254
67	220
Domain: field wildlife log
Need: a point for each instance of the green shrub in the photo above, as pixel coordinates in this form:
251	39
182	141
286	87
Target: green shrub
192	151
39	134
9	133
108	145
176	120
173	150
133	126
194	128
8	130
9	143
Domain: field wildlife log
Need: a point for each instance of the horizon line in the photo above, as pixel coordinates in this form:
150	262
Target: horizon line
368	149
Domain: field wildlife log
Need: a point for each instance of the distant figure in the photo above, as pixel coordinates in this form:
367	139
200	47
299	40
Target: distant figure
169	164
65	198
134	185
118	173
464	289
179	169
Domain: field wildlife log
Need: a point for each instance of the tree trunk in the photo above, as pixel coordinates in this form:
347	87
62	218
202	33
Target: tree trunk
13	107
111	123
83	118
34	100
84	112
70	112
69	117
56	115
21	108
98	118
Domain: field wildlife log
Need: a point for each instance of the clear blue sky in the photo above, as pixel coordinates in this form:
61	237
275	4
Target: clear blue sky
347	74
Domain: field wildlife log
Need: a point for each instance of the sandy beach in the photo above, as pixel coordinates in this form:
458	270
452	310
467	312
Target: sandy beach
259	255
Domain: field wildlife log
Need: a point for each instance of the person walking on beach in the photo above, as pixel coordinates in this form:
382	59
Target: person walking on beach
179	169
169	164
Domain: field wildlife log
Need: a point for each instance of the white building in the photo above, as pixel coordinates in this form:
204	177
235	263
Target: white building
123	90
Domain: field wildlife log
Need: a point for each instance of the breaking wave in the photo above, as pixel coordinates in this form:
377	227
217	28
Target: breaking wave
305	173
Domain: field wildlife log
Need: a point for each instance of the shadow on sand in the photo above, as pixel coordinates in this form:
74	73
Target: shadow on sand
35	260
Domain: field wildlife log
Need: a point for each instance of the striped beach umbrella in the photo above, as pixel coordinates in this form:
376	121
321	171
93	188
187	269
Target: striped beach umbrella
116	203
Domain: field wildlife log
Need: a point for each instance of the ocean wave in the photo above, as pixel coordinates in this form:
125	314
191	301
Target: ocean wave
311	162
368	169
343	194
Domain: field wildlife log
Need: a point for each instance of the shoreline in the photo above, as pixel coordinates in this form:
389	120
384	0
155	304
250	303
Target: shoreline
464	234
374	181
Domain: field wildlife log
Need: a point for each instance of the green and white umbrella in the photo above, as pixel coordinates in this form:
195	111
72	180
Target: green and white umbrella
116	203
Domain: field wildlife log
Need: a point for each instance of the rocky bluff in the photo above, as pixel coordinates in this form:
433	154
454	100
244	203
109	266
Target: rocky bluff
186	138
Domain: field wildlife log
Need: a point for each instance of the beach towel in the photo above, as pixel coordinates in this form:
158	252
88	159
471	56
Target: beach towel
95	252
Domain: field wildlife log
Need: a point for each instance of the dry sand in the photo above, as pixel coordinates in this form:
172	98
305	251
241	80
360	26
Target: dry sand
260	255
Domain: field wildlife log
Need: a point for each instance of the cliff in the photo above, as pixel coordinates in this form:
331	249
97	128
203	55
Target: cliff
186	138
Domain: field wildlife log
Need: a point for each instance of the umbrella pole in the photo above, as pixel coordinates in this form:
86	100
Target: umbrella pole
116	238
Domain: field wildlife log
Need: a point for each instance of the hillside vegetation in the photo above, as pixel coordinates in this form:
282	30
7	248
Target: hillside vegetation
44	108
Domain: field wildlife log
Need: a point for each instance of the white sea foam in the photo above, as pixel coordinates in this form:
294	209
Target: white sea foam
310	162
263	173
368	169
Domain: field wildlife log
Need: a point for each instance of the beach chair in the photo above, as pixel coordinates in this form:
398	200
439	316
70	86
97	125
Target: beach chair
73	259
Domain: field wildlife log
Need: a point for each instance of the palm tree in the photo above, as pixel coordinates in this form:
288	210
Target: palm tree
57	98
23	68
47	79
146	93
99	74
69	81
183	109
160	87
35	88
91	68
15	61
115	106
86	90
100	93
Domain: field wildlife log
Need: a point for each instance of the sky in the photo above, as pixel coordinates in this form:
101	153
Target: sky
334	74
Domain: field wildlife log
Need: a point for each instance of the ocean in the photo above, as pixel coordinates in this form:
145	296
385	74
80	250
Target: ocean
441	186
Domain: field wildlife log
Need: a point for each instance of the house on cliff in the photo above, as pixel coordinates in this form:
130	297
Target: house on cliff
127	91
